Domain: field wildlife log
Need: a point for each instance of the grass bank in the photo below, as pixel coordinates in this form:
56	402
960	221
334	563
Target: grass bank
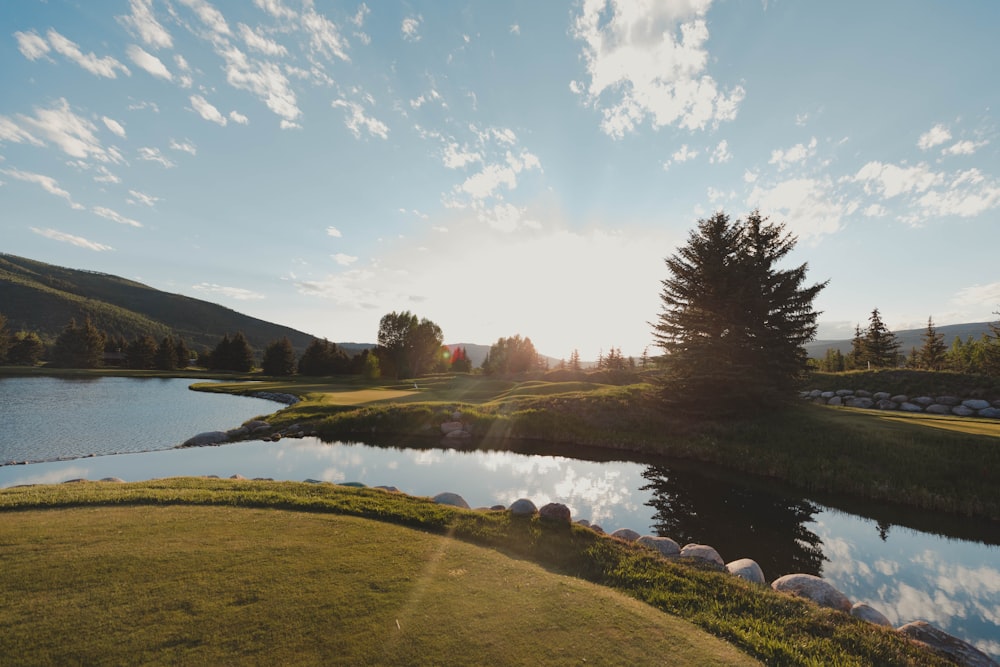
199	571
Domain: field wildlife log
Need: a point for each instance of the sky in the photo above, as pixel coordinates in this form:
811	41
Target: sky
503	168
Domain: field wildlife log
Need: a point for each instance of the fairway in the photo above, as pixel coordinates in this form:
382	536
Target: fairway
363	396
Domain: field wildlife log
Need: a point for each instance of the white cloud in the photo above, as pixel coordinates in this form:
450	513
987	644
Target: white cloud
333	231
876	211
801	119
648	60
237	293
795	154
750	176
238	118
209	15
515	29
206	110
78	241
31	45
456	157
276	9
965	197
965	147
411	27
721	153
263	79
359	18
142	198
890	180
148	62
684	154
104	175
107	66
344	259
142	23
324	35
935	136
186	146
75	135
154	155
357	120
11	131
114	126
289	125
807	206
47	183
115	216
255	41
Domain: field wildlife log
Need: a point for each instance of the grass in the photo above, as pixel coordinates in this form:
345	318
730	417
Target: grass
205	571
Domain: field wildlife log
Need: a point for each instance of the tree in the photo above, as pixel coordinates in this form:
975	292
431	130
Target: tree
408	344
232	354
933	352
183	353
141	352
322	357
79	346
574	360
279	358
732	324
991	349
26	349
511	355
460	362
165	358
856	357
4	339
880	347
370	369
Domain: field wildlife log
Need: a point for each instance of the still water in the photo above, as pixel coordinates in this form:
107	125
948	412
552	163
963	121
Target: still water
908	565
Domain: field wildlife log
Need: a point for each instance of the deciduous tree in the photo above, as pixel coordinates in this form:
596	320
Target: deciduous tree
408	344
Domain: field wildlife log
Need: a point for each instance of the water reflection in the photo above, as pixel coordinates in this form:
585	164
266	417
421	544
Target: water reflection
739	521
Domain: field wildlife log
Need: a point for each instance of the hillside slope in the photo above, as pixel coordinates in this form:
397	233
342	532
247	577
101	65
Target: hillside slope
908	339
40	297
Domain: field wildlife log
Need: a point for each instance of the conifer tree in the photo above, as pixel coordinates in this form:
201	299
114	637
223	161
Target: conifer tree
4	339
26	349
279	358
79	346
141	352
932	354
165	358
880	346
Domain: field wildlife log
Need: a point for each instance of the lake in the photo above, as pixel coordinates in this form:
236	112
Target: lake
909	565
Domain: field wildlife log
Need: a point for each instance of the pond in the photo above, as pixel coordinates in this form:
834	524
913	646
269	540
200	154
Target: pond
909	565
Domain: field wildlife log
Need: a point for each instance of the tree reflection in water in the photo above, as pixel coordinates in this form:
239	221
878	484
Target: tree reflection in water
738	521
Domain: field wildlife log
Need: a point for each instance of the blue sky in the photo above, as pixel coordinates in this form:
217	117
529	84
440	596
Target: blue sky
502	168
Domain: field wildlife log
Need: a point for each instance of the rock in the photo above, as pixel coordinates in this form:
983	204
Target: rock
815	393
859	402
961	652
458	434
861	393
881	396
76	480
845	392
452	499
976	404
664	545
828	394
206	438
498	508
819	401
584	523
813	588
450	427
113	479
900	398
836	400
456	416
886	404
390	489
992	413
626	534
254	424
354	485
746	568
523	507
962	411
702	552
236	433
922	401
596	528
868	613
555	512
938	409
313	481
237	476
951	401
906	406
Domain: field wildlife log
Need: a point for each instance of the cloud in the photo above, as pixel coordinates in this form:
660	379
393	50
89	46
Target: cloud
721	153
143	24
32	45
683	154
206	110
106	67
238	118
891	180
344	259
515	29
357	120
237	293
209	15
276	9
324	35
255	41
795	154
456	157
333	231
104	175
75	135
11	131
47	183
411	27
142	198
964	147
114	126
186	146
647	60
935	136
148	62
807	206
154	155
115	216
78	241
263	79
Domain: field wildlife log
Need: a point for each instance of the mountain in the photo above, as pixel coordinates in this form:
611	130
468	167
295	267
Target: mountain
909	339
40	297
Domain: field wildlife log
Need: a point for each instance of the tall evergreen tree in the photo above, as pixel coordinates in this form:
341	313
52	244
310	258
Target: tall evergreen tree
732	324
322	357
141	352
4	339
79	346
165	358
279	358
880	346
856	357
932	354
26	349
182	353
232	354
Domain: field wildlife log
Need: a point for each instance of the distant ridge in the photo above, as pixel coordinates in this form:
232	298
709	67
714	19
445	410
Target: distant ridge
40	297
909	338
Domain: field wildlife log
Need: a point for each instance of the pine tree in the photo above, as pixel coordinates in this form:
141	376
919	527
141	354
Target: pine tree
856	358
79	346
165	358
4	339
279	358
932	355
880	345
732	325
574	360
141	352
26	349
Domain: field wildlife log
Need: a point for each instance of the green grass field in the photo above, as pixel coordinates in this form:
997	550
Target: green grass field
207	571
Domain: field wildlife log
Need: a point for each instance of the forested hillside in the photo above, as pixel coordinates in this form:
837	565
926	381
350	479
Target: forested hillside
43	298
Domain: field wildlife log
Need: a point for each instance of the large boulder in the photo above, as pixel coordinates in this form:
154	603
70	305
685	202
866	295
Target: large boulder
746	568
664	545
906	406
881	396
922	401
992	413
962	411
523	507
702	552
555	512
859	402
626	534
938	409
813	588
948	400
453	499
206	438
976	404
886	404
450	427
870	614
961	652
836	400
